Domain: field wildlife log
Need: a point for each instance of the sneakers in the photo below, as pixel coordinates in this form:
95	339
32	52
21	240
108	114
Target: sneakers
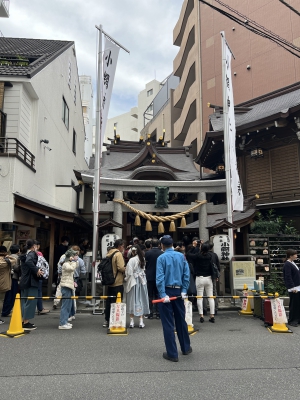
67	326
43	311
68	323
2	322
131	325
201	320
141	325
54	306
212	320
149	316
28	326
71	318
105	324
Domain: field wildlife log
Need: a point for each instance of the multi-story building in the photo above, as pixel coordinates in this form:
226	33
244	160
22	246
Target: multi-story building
41	142
130	124
86	90
260	66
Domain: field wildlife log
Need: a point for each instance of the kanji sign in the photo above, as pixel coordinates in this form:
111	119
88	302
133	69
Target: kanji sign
110	58
236	189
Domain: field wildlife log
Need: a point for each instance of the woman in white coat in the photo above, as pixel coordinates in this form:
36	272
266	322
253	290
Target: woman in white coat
67	287
137	302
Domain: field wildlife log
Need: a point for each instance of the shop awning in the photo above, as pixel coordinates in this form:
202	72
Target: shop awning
45	209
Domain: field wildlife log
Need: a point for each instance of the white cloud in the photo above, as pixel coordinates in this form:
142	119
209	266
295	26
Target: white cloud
144	27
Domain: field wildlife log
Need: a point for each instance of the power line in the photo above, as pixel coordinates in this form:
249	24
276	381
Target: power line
289	6
256	28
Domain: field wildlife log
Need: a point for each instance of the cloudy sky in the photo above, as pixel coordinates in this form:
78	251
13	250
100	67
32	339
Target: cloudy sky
144	27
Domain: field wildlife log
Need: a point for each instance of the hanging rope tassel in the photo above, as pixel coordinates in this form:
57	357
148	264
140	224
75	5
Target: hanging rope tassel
137	221
148	226
161	228
172	227
183	222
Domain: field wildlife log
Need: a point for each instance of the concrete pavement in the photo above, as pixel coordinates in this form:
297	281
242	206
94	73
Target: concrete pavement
235	358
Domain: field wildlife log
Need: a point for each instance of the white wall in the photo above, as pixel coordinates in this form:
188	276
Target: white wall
144	101
34	108
123	128
129	126
86	90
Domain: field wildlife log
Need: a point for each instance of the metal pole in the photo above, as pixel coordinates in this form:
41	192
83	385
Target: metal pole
226	144
96	197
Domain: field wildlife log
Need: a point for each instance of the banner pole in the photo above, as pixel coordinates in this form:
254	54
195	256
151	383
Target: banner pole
96	195
226	144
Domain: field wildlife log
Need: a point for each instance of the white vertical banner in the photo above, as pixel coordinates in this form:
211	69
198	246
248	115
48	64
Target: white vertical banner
236	189
110	58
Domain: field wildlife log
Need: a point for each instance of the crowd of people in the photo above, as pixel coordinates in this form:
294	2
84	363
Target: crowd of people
24	272
135	269
155	269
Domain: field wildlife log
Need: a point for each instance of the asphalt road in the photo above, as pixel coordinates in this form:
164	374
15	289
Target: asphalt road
235	358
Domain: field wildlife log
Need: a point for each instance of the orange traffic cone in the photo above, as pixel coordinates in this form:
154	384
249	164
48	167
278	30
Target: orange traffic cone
246	306
15	326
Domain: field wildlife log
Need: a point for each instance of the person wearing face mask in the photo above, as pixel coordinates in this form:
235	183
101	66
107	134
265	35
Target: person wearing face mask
59	251
67	287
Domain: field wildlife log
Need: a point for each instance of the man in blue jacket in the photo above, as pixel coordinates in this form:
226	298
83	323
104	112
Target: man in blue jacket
172	280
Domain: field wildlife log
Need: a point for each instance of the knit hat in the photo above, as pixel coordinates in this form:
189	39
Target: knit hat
70	253
167	240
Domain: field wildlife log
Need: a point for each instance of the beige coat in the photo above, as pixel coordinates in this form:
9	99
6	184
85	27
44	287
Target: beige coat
67	276
5	272
118	265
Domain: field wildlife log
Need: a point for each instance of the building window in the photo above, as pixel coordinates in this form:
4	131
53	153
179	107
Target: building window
75	94
69	74
65	113
74	142
150	92
150	108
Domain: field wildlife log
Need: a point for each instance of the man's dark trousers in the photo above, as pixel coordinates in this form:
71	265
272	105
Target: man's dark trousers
153	294
168	312
112	291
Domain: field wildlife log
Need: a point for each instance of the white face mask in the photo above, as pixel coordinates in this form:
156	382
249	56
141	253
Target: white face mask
66	243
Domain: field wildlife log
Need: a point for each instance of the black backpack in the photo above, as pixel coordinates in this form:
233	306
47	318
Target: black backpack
105	270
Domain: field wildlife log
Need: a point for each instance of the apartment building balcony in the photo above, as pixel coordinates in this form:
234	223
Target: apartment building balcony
178	31
4	8
187	79
134	112
12	147
188	115
182	56
134	125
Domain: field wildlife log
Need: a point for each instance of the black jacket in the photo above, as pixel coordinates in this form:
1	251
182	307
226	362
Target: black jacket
151	256
29	270
215	259
291	275
202	263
